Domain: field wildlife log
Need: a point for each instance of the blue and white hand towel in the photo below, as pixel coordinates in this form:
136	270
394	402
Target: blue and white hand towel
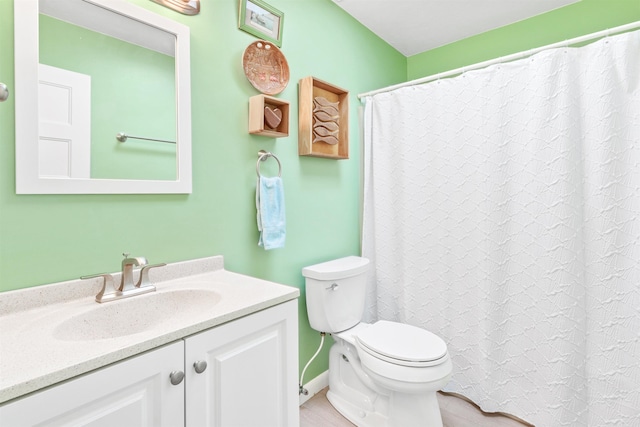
271	215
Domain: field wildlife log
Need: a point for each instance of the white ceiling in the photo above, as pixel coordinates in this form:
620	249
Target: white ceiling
415	26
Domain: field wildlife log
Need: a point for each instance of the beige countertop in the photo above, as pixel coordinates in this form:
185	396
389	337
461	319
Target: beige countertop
38	349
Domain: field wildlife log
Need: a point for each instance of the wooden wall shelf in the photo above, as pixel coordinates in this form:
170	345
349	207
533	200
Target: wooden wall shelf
323	120
263	116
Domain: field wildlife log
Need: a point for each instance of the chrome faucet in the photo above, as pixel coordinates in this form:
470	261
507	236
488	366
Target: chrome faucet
126	283
128	287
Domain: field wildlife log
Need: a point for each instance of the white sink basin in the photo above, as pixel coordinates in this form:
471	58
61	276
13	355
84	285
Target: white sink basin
134	315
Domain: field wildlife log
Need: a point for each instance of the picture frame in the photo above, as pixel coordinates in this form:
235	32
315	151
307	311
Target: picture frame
261	20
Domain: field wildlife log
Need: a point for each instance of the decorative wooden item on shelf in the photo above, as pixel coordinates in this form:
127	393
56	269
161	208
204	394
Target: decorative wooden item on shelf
268	116
323	122
326	121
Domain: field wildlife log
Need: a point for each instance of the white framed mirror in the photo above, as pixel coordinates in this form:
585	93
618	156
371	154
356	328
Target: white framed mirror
86	71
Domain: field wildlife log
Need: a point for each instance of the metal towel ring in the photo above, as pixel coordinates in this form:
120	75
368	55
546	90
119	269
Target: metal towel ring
264	155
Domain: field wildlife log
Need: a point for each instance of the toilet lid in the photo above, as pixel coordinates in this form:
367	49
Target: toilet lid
402	343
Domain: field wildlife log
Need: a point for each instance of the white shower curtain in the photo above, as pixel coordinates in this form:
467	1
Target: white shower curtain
502	212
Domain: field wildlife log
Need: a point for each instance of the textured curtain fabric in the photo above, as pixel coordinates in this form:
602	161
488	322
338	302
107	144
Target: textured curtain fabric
502	212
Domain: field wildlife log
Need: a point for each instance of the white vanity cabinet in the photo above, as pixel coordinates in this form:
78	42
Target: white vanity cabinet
251	374
250	380
134	392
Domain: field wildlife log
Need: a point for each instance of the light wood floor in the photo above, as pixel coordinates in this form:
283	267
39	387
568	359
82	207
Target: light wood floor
456	412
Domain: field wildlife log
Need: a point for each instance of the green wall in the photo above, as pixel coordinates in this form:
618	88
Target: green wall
49	238
584	17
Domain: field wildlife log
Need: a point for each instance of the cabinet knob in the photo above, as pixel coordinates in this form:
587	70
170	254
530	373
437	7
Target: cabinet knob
176	377
200	366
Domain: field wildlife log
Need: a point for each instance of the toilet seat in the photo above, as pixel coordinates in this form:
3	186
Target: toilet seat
402	344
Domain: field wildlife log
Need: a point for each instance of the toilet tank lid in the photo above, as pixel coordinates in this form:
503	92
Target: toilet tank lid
337	269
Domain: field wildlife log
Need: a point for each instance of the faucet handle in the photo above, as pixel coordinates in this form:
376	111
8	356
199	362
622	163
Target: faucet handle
144	275
107	279
137	261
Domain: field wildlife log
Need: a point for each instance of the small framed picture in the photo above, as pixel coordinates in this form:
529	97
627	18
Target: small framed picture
263	21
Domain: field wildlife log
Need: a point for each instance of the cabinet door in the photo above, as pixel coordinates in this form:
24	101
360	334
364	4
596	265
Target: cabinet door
251	374
134	392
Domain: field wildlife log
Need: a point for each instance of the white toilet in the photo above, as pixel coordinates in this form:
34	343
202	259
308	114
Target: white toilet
380	374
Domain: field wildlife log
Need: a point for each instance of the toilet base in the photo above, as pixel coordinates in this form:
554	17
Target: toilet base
354	394
356	415
430	416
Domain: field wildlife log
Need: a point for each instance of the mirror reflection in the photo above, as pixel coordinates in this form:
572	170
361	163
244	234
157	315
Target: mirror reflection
86	72
93	86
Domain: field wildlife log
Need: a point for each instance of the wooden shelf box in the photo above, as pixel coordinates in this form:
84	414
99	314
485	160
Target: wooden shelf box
323	120
259	125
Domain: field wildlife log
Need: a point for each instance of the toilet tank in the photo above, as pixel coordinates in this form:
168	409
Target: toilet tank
335	293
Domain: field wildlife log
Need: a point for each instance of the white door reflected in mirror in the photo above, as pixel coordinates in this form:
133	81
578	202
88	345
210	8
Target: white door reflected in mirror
64	122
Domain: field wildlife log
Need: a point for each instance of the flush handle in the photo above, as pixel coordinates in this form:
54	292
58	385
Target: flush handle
176	377
333	287
200	366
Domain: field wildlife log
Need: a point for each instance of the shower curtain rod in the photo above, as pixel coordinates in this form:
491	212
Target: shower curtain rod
507	58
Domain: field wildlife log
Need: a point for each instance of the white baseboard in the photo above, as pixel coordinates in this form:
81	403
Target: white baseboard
314	386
